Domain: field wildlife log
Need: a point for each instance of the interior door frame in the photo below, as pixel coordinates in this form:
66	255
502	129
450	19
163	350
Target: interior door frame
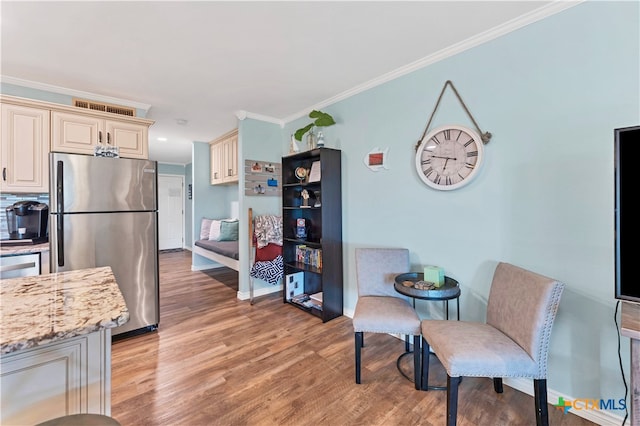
182	180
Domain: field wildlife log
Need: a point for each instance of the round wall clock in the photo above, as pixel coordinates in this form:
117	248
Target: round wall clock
449	157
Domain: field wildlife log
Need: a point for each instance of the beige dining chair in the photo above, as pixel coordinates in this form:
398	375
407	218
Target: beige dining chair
513	342
380	309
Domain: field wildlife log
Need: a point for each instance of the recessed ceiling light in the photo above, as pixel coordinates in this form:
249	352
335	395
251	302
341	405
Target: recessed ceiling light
162	139
182	121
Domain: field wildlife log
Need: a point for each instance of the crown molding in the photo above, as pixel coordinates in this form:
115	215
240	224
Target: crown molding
75	93
478	39
242	114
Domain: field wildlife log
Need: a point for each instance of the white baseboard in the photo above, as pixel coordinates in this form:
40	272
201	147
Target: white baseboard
599	417
245	295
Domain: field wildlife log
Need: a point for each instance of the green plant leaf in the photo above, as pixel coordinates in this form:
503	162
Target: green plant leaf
300	132
322	118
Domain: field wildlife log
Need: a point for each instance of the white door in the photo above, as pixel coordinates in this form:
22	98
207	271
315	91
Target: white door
170	211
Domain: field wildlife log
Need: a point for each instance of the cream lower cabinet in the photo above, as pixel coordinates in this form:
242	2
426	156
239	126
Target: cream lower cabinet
224	159
24	151
80	134
66	377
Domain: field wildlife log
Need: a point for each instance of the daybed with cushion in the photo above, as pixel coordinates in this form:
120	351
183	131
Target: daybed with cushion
219	241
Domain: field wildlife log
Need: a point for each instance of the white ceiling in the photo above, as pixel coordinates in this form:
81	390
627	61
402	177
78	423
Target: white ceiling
205	61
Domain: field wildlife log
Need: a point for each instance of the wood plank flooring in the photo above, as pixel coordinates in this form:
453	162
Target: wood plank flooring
216	360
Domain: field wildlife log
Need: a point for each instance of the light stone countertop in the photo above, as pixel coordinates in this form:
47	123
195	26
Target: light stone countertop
45	308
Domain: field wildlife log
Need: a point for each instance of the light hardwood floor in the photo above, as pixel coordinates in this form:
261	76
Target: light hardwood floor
216	360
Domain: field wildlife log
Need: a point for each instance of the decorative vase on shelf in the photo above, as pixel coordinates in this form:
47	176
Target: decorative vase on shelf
312	142
293	146
320	142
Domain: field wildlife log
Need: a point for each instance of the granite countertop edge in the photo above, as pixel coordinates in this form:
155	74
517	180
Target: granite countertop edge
42	309
11	249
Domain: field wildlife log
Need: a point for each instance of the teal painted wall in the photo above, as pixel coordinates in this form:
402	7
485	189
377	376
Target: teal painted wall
257	141
171	169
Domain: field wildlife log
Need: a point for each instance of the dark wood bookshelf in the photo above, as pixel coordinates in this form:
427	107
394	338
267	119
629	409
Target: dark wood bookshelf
323	228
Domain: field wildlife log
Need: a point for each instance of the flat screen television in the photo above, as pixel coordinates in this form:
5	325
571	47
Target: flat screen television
627	214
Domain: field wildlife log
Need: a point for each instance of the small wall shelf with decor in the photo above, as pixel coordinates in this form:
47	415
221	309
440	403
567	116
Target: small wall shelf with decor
312	231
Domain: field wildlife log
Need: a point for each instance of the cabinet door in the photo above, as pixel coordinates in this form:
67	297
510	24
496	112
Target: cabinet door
230	158
25	149
131	138
65	377
74	133
216	163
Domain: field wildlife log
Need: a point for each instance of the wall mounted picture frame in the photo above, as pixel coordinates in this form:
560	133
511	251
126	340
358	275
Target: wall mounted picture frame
376	159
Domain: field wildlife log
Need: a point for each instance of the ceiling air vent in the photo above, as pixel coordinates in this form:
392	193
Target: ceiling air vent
99	106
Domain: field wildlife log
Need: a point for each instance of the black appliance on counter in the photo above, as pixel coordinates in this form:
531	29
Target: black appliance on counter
27	222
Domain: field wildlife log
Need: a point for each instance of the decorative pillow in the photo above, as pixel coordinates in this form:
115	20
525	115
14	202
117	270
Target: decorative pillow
214	230
228	230
205	226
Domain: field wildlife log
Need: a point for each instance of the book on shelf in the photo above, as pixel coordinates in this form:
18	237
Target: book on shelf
316	300
314	174
304	300
309	256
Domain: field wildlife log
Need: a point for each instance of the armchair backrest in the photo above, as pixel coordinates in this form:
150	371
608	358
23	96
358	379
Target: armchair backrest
376	269
523	305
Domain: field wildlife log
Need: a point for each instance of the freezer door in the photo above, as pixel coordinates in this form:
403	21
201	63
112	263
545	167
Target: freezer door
127	242
82	183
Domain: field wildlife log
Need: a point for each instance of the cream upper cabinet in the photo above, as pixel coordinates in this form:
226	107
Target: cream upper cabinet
216	163
24	152
224	159
80	134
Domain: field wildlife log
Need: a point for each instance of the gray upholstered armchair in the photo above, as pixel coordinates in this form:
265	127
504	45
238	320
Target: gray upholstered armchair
514	341
380	309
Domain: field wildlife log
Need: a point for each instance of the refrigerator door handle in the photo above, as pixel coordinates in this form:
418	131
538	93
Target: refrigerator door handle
60	230
60	208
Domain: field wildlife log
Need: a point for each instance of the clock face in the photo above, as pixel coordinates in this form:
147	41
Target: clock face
449	157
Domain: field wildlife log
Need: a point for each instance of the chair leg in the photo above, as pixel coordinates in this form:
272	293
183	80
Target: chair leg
251	291
425	365
416	362
540	396
359	341
497	384
407	345
452	399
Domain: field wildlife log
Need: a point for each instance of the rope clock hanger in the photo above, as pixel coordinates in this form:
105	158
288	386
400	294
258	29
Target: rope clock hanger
449	157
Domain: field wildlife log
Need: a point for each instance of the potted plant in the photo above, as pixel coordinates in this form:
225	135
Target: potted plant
321	119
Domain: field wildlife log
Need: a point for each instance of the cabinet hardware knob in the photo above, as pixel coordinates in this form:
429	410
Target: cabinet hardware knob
100	136
4	174
108	138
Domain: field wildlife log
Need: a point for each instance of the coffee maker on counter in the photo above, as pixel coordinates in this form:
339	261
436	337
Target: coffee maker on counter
27	222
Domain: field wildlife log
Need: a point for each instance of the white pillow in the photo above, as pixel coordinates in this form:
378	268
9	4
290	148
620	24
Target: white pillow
205	227
214	230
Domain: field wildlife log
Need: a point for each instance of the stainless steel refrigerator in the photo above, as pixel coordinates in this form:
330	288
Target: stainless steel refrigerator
103	212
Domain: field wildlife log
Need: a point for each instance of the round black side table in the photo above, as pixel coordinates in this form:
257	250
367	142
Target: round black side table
450	290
